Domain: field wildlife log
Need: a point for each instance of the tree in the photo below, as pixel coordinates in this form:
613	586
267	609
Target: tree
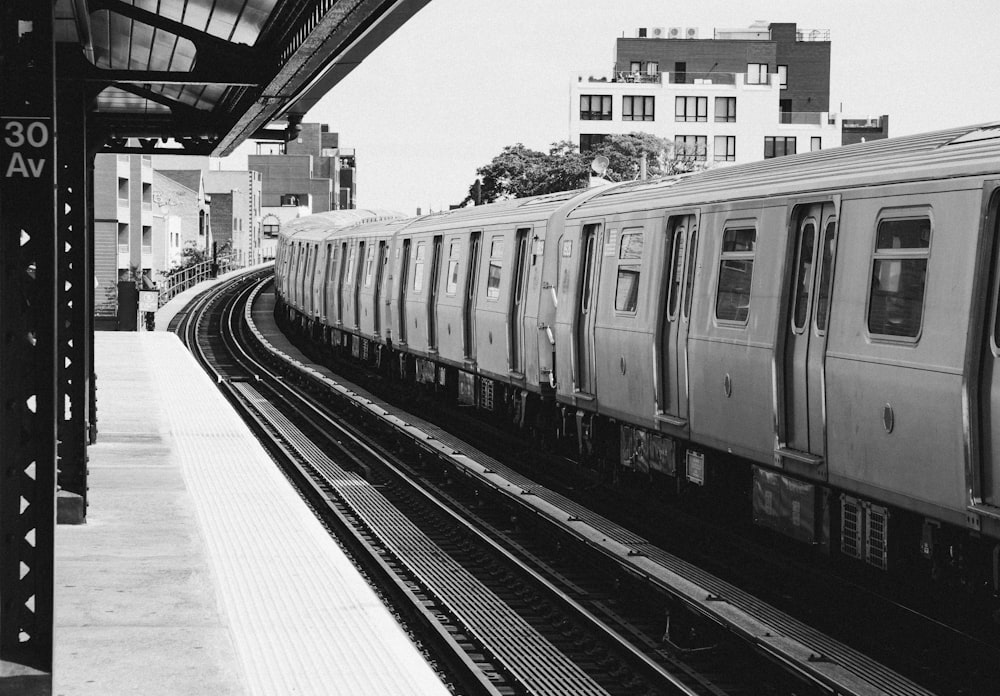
518	171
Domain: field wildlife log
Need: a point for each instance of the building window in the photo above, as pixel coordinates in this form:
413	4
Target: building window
691	147
778	147
732	301
122	190
635	66
691	109
271	231
290	199
147	239
899	273
652	68
637	108
783	76
756	73
595	107
630	258
591	141
725	109
815	143
725	148
123	242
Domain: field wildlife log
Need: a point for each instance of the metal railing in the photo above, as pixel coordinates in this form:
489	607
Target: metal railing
703	78
812	35
637	77
182	279
802	118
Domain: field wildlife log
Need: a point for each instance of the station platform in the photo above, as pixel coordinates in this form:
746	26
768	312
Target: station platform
200	570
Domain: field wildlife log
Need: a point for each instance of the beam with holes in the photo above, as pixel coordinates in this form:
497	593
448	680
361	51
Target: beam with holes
28	350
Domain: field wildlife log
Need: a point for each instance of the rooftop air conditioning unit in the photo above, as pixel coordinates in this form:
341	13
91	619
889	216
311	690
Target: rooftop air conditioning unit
674	33
640	33
659	33
691	33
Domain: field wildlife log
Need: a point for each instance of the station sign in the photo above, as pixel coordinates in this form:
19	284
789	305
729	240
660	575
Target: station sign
26	147
149	300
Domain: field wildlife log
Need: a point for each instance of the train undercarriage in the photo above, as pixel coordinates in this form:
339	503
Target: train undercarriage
889	547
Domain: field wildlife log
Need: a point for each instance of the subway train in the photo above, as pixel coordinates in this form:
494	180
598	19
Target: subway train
817	333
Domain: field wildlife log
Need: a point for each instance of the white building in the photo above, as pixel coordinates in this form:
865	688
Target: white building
718	118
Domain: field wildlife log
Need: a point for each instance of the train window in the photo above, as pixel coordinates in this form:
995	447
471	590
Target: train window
825	277
676	268
732	301
803	275
496	266
630	255
689	282
369	266
899	274
418	267
349	273
453	253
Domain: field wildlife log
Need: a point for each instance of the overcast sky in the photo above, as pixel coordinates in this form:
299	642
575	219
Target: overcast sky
464	78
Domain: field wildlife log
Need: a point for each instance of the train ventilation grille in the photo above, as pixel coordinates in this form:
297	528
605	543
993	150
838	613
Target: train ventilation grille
876	546
864	531
850	527
486	394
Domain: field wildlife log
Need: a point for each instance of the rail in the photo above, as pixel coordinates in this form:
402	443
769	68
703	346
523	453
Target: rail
185	278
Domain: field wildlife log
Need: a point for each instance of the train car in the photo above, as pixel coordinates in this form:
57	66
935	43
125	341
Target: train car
817	332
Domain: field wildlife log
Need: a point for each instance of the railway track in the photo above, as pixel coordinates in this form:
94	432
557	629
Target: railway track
501	602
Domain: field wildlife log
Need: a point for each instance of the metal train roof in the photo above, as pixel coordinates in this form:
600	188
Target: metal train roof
967	151
211	73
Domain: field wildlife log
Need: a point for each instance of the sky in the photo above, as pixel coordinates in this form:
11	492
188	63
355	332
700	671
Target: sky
464	78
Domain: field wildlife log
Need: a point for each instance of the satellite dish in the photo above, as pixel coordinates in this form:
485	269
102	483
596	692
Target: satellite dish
600	165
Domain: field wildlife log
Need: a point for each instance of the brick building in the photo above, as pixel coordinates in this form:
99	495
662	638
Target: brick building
236	212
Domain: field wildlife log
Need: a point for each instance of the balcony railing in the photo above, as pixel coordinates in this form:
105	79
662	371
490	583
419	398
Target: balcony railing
875	122
812	35
123	248
638	77
147	249
703	78
801	118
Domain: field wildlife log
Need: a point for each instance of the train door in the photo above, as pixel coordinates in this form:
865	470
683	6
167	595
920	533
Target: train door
432	293
340	282
358	277
811	278
377	296
989	381
404	272
469	307
515	314
584	333
682	232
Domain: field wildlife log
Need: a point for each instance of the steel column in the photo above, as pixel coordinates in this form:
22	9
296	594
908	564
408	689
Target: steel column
74	330
28	351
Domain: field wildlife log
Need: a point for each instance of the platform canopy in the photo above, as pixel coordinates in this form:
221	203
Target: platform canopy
210	74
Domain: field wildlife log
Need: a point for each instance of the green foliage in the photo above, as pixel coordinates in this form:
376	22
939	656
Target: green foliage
519	171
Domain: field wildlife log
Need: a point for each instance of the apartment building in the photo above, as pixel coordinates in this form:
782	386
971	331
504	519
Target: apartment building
740	96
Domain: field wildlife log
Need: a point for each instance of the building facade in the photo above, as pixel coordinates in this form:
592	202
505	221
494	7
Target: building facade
123	229
309	174
235	212
740	96
181	207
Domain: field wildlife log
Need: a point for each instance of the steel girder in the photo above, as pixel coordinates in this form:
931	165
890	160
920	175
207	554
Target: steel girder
28	351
